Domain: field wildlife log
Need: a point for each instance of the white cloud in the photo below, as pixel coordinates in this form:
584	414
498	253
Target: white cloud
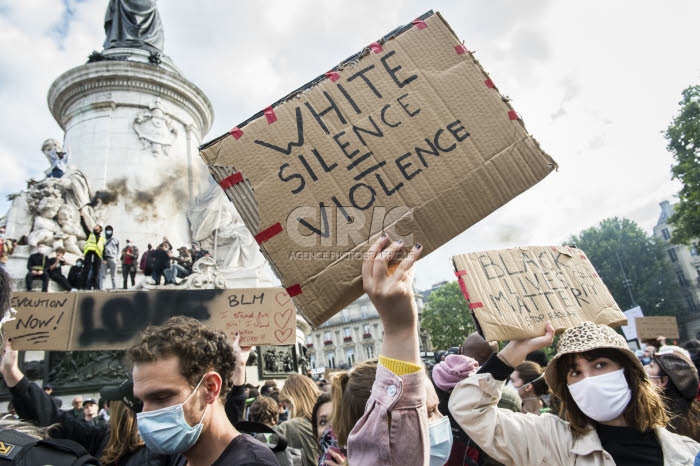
595	82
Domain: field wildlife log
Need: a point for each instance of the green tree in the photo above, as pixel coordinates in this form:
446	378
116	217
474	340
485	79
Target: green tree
683	136
620	244
446	317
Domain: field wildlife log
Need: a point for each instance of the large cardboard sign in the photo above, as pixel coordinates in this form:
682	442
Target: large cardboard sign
650	328
410	136
513	293
113	320
630	330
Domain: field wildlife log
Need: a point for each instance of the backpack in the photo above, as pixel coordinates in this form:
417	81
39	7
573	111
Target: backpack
17	448
286	456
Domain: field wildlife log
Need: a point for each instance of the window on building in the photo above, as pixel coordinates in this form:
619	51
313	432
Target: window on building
672	255
369	352
666	234
330	358
327	336
681	278
312	361
310	340
347	332
350	355
365	328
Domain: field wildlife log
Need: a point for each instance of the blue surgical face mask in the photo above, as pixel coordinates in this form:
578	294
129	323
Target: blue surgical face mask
165	431
645	361
440	433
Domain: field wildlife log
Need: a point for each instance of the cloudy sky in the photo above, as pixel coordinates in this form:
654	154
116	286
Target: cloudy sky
595	82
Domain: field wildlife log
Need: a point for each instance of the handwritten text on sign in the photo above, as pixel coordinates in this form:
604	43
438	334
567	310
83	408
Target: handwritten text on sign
87	321
514	292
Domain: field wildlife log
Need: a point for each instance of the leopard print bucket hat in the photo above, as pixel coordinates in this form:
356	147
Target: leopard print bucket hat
584	337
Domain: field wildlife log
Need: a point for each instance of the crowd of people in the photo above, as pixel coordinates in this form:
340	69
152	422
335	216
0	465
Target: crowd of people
593	402
102	257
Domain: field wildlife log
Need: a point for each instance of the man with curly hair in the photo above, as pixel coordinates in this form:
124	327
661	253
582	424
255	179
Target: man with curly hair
182	372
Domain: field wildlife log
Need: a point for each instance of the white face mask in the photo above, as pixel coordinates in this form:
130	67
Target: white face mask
602	397
440	434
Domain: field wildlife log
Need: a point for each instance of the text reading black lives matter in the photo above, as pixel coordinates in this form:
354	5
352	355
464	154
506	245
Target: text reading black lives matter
538	286
352	142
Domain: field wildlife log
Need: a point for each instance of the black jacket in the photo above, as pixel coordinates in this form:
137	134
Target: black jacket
34	405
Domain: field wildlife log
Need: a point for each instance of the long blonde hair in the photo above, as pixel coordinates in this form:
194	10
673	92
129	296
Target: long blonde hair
124	435
300	392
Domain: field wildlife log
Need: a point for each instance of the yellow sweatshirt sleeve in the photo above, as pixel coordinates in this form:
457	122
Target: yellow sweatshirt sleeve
399	367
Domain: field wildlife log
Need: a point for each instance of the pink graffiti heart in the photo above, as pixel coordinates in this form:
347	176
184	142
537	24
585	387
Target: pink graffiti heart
282	335
282	295
282	318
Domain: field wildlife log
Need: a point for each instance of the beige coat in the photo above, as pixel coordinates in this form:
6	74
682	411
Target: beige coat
515	438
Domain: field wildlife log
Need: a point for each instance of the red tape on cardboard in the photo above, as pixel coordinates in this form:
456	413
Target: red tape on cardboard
375	47
461	49
268	233
231	180
294	290
236	133
270	115
333	76
419	24
513	115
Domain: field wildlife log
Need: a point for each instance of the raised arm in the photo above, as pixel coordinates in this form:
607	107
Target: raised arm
394	427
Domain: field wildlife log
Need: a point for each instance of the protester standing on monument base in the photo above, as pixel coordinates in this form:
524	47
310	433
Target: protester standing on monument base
94	247
130	254
109	258
36	269
53	269
182	372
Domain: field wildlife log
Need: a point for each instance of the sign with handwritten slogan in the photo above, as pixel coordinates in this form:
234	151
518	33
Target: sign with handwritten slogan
512	293
649	328
113	320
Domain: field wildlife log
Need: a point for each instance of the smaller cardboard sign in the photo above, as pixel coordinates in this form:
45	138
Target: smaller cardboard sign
630	330
513	293
649	328
113	320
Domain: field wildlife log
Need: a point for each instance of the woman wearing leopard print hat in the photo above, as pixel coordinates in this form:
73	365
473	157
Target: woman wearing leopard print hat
611	411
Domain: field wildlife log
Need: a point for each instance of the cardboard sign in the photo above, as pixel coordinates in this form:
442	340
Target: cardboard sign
630	330
649	328
410	136
113	320
513	293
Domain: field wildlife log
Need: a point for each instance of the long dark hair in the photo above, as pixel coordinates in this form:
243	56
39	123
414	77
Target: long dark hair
645	410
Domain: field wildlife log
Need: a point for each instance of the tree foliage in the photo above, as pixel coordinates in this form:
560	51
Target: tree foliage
620	243
683	136
446	317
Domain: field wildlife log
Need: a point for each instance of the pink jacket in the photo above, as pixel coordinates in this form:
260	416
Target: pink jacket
393	429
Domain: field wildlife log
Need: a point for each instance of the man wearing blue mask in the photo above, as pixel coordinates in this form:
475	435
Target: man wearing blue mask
182	371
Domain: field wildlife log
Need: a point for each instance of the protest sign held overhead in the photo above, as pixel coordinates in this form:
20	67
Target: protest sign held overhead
410	136
630	330
512	293
109	321
652	327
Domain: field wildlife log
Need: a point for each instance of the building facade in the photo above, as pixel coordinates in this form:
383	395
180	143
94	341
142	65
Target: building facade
685	260
353	335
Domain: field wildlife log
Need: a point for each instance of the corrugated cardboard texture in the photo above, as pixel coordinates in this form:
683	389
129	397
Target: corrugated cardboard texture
415	130
650	328
102	320
514	292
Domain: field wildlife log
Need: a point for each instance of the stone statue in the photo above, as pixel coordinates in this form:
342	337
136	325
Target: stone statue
134	24
215	222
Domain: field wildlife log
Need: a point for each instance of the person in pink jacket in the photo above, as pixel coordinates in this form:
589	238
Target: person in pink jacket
401	423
